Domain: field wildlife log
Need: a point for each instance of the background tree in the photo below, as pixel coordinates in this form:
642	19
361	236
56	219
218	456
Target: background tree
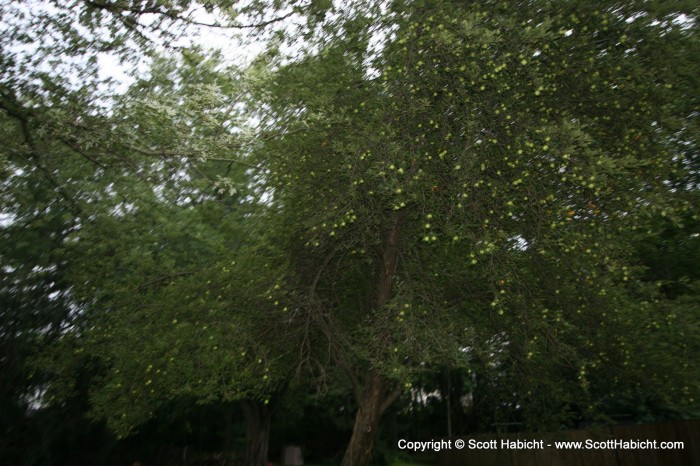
172	270
40	206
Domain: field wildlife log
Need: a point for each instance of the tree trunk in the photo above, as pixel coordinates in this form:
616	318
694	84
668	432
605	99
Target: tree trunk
373	399
258	416
369	412
377	394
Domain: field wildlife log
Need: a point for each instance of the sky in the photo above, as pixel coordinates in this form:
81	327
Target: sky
225	40
28	18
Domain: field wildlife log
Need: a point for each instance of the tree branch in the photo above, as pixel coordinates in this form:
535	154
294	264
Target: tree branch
115	8
14	109
75	148
160	279
390	398
240	162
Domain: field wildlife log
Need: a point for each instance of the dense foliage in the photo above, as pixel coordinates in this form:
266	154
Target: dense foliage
456	217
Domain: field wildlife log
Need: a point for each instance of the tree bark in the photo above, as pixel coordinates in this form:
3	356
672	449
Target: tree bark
371	407
258	416
377	393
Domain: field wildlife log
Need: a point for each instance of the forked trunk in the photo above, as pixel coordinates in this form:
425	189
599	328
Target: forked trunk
258	416
374	397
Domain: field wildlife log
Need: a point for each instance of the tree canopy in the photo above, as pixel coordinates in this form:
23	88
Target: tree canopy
505	190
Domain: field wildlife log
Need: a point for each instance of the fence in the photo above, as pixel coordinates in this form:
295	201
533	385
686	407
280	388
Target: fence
582	449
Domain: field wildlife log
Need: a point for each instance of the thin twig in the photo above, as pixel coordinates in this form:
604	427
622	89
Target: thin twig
160	279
